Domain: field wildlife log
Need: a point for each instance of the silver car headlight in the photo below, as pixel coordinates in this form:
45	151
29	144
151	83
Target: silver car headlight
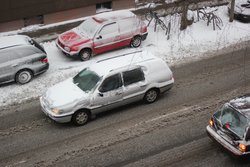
57	111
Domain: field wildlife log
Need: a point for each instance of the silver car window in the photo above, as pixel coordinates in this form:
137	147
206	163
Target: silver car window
133	76
111	83
86	80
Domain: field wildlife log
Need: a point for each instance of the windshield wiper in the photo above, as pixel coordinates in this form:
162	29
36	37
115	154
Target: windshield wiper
231	134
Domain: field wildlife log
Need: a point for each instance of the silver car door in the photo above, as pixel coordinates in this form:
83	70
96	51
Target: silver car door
134	85
108	95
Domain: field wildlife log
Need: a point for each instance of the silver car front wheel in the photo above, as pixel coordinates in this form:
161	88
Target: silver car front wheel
80	118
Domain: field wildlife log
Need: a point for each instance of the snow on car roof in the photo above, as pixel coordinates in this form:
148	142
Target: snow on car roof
105	66
242	104
8	41
112	16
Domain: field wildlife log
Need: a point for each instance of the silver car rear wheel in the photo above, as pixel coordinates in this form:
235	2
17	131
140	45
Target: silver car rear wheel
151	96
23	77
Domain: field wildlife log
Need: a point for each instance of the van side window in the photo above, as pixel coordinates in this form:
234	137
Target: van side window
133	76
111	83
109	29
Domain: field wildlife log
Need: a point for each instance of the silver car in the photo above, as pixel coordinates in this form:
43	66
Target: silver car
107	84
21	58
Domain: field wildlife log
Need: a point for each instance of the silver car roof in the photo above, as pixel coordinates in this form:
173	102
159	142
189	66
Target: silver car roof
130	60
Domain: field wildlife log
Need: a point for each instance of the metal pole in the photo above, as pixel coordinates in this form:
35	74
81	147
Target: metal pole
232	11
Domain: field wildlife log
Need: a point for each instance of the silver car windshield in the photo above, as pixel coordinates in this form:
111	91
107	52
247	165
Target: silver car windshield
232	120
86	80
89	27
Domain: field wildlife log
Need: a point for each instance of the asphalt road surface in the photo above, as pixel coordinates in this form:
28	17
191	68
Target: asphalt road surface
169	132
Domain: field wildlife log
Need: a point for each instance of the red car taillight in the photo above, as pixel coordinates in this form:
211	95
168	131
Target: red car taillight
44	60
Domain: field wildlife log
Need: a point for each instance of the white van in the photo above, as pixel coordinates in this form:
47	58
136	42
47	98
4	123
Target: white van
107	84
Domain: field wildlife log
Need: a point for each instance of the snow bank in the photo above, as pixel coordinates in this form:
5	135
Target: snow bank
190	44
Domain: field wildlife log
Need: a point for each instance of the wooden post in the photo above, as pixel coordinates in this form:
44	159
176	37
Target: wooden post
184	21
232	11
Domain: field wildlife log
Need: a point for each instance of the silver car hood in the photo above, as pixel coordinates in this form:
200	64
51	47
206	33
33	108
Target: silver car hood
65	93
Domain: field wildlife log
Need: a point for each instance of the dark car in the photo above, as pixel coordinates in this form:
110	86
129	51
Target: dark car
229	126
21	58
242	10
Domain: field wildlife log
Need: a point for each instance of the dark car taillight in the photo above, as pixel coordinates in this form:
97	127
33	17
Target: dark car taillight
243	147
44	60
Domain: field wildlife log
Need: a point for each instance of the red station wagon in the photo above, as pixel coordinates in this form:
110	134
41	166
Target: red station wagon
103	32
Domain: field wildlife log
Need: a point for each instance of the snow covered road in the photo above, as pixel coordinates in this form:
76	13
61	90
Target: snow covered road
168	132
196	42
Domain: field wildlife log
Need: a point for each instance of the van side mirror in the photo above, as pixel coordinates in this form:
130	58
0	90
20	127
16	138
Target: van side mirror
99	37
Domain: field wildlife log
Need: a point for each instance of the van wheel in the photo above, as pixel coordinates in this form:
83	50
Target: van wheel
136	42
80	118
85	54
151	96
24	76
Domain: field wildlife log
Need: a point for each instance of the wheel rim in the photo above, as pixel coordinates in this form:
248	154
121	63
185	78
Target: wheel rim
24	77
81	118
136	41
85	56
151	96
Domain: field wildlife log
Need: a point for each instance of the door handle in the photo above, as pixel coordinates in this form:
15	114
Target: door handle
14	65
142	86
118	93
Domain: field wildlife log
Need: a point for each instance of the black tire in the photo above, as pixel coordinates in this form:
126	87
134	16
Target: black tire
23	76
81	117
136	41
85	54
151	96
